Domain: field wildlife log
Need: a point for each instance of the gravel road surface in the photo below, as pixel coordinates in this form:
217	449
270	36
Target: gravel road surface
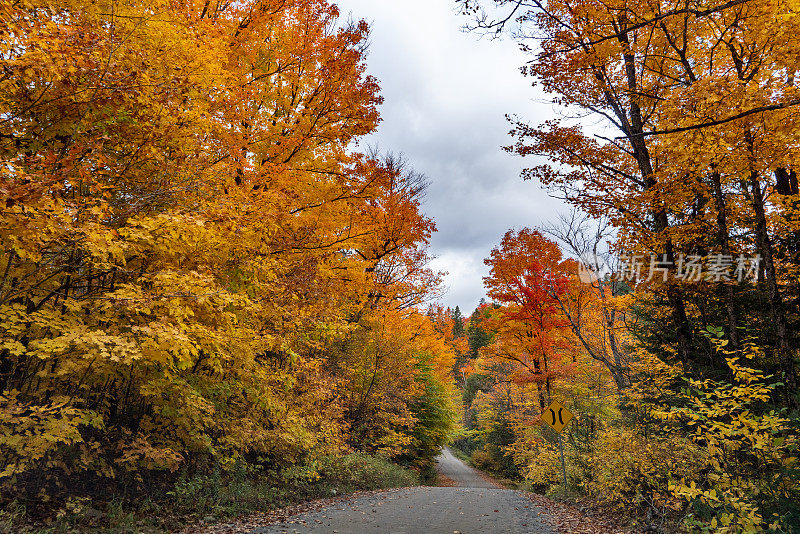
462	474
475	507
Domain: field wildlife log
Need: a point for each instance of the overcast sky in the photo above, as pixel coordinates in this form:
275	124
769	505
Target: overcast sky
446	96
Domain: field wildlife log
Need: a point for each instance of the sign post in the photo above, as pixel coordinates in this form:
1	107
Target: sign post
563	465
557	417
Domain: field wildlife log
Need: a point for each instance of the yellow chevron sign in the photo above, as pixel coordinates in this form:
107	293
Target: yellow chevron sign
557	416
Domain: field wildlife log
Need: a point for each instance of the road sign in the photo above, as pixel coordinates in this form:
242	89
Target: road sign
557	416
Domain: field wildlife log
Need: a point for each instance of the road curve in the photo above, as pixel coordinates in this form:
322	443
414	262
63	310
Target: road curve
425	510
462	474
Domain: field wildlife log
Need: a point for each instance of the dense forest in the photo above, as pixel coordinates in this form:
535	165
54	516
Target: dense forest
664	311
214	298
201	272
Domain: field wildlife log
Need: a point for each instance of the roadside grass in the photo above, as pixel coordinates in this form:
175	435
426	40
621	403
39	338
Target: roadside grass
215	496
461	455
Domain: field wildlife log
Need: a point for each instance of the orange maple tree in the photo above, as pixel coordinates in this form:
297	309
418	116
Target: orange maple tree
527	275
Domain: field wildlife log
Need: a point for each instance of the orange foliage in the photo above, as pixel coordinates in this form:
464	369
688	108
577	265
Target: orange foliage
190	241
527	276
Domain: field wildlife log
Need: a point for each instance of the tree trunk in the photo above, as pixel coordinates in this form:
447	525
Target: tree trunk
724	241
773	291
635	133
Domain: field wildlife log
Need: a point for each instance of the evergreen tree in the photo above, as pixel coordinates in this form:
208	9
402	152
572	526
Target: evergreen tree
458	323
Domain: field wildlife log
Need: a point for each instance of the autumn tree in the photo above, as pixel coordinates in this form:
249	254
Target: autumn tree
678	128
190	237
695	102
597	302
549	342
526	270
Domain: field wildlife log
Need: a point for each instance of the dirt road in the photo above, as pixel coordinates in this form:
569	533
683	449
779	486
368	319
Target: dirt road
462	474
475	507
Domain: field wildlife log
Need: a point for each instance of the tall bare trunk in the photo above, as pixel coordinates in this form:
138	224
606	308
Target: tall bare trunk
724	240
635	127
776	302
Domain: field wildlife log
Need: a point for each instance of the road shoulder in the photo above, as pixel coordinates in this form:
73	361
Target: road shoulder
562	517
258	520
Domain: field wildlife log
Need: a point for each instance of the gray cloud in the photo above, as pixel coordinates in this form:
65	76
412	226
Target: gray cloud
447	93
